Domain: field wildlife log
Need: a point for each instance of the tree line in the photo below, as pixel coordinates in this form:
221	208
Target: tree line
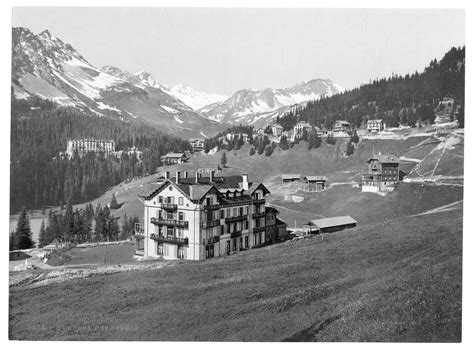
74	226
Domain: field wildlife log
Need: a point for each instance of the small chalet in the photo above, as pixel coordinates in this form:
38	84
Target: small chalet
277	130
374	126
341	126
314	183
174	158
299	129
382	171
290	178
444	110
197	145
334	224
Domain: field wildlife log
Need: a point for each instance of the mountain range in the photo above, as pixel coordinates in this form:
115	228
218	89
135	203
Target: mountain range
45	66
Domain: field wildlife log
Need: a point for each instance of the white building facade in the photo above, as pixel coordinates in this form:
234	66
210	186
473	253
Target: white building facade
202	217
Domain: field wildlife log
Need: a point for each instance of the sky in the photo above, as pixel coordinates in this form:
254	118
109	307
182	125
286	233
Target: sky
224	50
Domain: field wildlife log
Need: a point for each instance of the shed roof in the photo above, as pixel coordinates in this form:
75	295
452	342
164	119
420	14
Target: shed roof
174	155
316	178
290	176
385	159
335	221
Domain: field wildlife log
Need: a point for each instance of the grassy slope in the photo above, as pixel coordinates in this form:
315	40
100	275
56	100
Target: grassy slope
394	281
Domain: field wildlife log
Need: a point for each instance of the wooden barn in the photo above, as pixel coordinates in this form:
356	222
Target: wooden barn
314	183
337	223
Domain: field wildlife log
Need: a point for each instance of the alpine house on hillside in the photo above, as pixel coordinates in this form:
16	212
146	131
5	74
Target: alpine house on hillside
198	217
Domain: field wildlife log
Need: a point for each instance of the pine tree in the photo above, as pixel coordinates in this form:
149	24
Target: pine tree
224	160
42	236
350	148
355	138
284	143
23	235
68	223
113	202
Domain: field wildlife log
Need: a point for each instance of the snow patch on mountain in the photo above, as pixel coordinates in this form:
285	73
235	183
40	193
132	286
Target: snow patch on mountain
171	110
194	98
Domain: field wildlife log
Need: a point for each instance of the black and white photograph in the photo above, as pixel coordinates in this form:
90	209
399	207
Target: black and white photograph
235	174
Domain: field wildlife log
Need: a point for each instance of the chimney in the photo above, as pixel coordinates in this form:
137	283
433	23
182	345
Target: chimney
167	175
245	182
177	177
197	177
211	176
185	174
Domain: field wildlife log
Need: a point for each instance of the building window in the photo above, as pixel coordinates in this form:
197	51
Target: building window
241	243
234	212
180	200
211	251
222	229
160	199
246	241
180	252
181	216
234	244
246	225
159	248
227	247
222	213
228	213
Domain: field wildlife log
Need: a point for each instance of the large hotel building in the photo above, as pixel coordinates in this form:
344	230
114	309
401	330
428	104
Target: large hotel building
199	217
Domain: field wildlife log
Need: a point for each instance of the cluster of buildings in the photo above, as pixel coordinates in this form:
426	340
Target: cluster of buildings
310	183
194	217
444	112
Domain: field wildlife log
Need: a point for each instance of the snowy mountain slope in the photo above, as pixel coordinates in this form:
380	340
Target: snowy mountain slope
255	106
194	98
43	65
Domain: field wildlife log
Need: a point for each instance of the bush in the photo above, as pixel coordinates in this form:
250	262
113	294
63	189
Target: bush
252	151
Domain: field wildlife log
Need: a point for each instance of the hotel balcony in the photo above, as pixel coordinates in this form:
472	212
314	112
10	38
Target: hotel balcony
170	239
169	207
258	215
236	218
259	229
258	201
210	223
169	222
212	207
235	234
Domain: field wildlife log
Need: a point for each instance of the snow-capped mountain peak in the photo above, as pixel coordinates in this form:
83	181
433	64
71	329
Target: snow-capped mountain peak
258	107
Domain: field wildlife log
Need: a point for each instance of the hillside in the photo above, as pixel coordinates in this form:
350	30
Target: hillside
418	150
399	280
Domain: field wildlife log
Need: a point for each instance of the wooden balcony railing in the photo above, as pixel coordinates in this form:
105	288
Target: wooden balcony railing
210	223
169	222
170	239
236	218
